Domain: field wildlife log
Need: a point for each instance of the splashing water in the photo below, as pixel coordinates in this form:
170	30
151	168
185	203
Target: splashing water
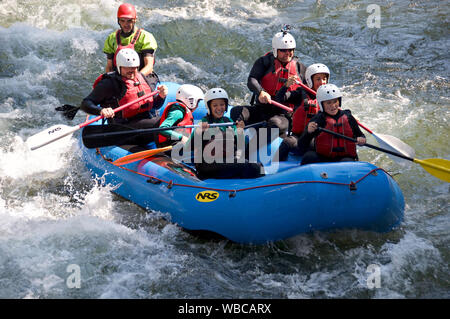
395	81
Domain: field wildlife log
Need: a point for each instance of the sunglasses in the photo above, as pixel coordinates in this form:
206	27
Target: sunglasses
286	50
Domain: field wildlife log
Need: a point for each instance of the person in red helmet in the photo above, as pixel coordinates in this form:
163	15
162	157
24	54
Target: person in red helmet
128	36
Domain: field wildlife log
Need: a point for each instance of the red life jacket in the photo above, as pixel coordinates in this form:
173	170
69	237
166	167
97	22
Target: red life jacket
331	146
120	46
303	114
135	89
188	119
274	80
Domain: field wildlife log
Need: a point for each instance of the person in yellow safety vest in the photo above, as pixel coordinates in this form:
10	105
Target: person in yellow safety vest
128	36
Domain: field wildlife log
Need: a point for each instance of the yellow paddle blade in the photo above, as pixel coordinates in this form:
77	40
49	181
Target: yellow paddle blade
140	155
437	167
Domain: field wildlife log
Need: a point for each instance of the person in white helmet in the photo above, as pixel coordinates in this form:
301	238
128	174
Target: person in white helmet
268	74
205	142
305	105
179	113
120	87
327	147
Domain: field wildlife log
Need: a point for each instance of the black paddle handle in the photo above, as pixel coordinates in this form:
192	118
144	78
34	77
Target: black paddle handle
368	145
150	130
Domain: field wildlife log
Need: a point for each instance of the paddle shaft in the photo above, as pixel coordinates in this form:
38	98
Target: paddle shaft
150	130
284	107
367	129
281	106
307	89
120	108
311	91
368	145
59	131
144	154
436	167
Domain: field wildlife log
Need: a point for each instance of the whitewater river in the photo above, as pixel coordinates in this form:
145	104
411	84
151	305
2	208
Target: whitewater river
390	57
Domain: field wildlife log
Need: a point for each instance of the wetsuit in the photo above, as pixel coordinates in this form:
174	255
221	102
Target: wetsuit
275	116
109	91
305	108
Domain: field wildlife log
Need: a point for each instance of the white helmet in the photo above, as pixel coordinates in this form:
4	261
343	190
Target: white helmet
215	93
127	58
328	92
314	69
189	95
282	40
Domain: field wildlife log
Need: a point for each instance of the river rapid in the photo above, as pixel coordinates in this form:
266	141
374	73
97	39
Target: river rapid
56	219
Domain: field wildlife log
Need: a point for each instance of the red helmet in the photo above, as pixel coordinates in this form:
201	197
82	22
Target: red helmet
126	10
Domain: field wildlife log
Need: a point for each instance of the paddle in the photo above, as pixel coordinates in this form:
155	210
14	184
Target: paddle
141	155
59	131
281	106
392	143
437	167
106	135
68	111
144	154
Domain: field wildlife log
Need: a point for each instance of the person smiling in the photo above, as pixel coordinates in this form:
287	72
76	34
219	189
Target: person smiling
128	36
216	152
305	106
267	76
327	147
121	87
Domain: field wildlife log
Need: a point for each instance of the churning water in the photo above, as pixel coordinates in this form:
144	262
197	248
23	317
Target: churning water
54	217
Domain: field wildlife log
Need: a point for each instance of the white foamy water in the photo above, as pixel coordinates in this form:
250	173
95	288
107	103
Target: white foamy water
54	215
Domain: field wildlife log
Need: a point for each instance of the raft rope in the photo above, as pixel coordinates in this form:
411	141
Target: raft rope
170	184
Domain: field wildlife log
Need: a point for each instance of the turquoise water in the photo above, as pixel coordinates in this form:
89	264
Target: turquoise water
395	81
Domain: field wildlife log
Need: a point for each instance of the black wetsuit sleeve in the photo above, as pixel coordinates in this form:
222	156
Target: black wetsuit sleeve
301	69
256	74
305	138
149	52
98	97
158	102
294	97
282	95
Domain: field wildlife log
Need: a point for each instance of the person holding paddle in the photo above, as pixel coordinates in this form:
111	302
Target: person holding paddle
267	76
218	151
305	105
328	147
120	87
128	36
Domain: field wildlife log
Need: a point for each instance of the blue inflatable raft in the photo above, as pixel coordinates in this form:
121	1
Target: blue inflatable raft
290	200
